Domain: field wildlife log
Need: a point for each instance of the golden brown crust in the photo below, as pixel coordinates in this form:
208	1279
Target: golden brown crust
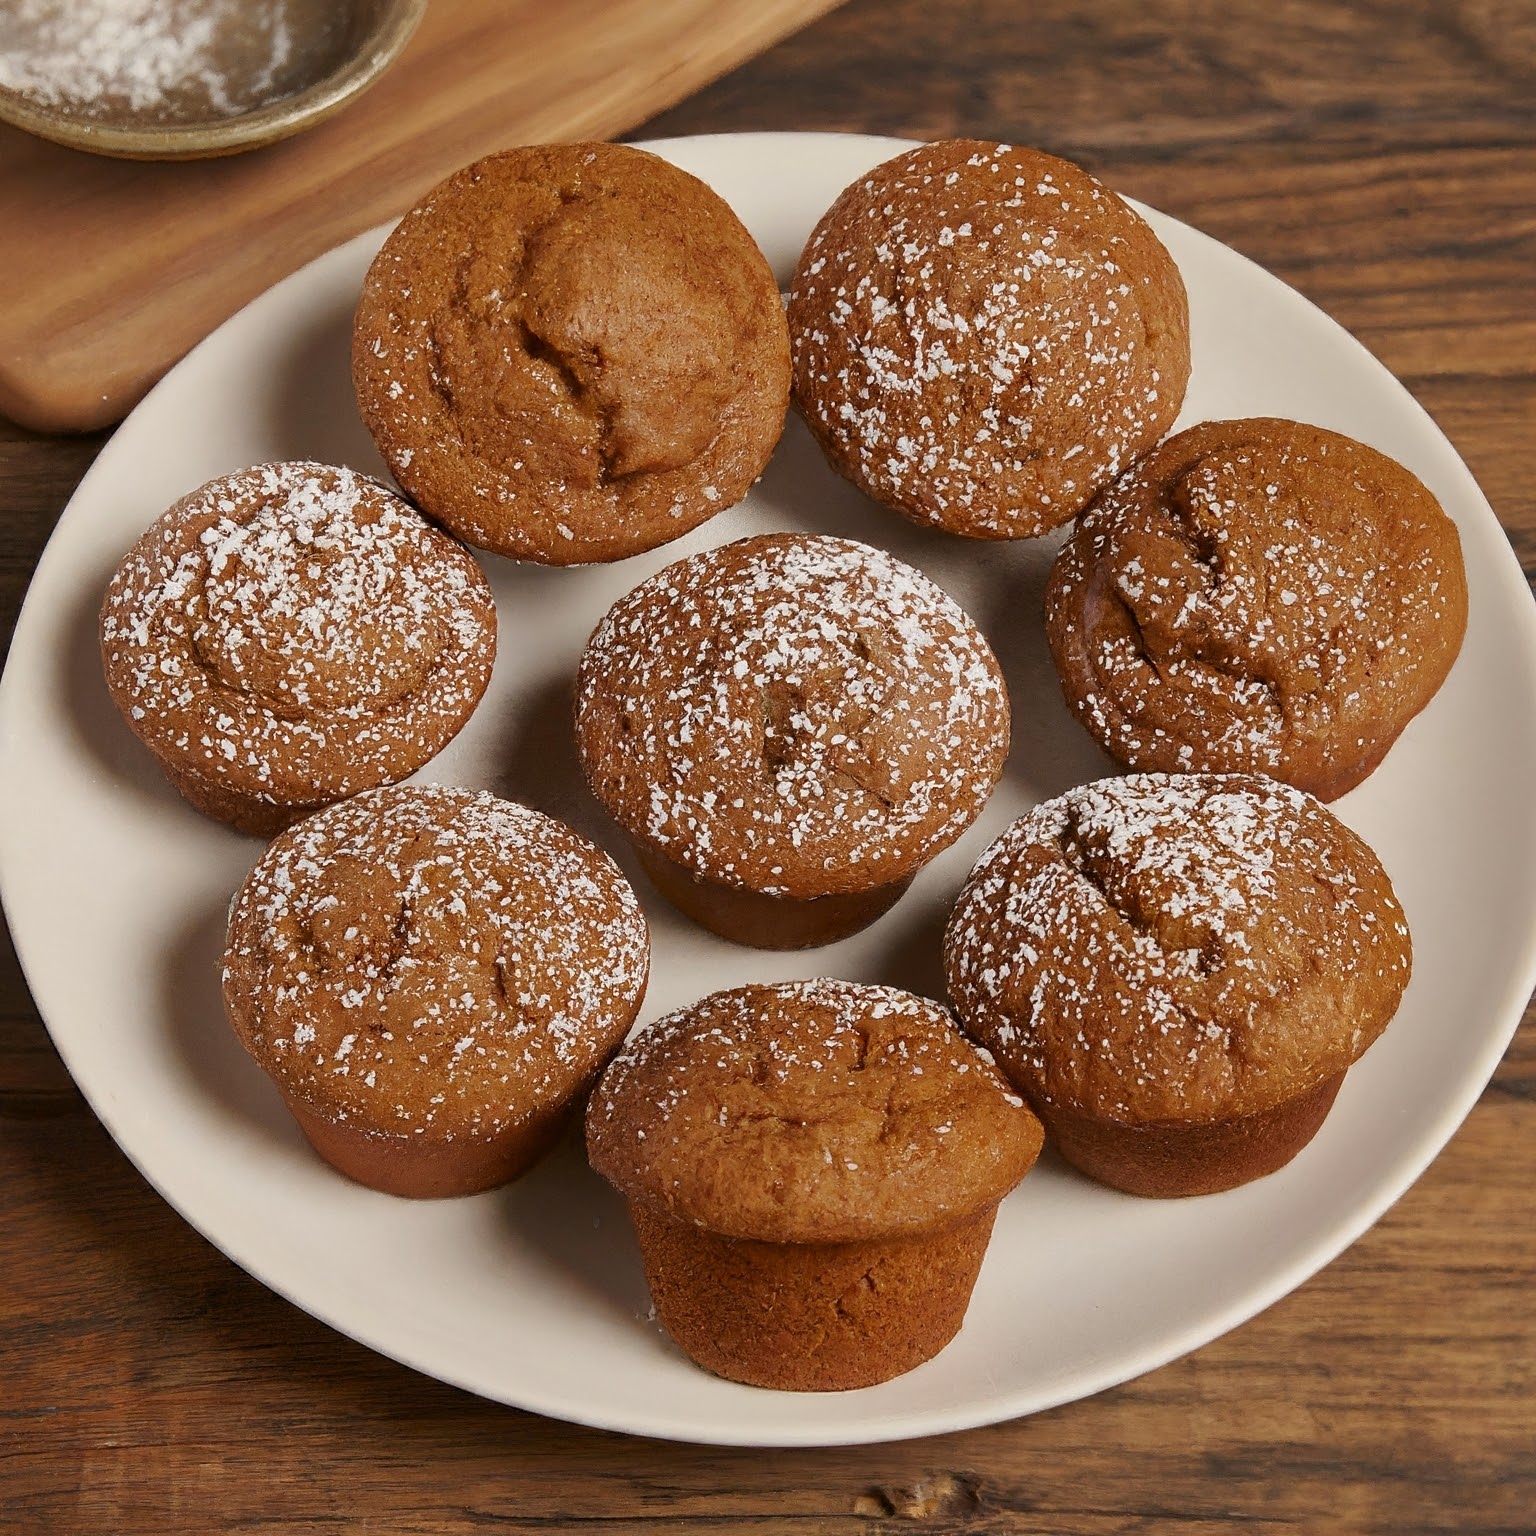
251	814
1176	951
423	1167
761	920
1258	596
810	1317
984	335
434	966
810	1112
572	352
1175	1160
291	634
800	716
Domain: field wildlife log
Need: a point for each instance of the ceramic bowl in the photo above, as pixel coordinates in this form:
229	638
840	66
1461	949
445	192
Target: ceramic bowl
337	52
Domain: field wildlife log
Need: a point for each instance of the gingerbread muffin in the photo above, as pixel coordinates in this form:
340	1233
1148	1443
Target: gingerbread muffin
813	1169
291	634
1177	971
433	978
572	352
788	727
984	335
1258	596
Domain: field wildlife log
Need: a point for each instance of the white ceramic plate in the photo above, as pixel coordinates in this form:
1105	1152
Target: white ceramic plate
116	894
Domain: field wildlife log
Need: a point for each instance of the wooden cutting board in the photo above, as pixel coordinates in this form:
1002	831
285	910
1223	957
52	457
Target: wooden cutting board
112	269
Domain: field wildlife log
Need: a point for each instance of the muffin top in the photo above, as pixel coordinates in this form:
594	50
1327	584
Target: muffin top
433	961
572	352
984	335
1176	948
297	632
1258	596
795	714
810	1111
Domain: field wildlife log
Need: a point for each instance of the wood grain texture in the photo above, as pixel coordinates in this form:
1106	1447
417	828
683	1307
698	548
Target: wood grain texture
1382	158
114	268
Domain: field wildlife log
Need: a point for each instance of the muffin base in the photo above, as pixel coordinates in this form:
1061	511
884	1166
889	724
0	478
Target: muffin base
1168	1161
809	1317
762	921
422	1168
245	813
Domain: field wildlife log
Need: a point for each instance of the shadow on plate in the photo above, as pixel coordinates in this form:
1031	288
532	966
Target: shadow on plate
100	730
311	409
536	761
200	1034
568	1217
1051	752
911	947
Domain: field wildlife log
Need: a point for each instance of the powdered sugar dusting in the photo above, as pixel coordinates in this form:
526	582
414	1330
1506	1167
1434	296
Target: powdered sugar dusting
1141	944
799	714
983	336
1258	595
297	632
156	59
433	960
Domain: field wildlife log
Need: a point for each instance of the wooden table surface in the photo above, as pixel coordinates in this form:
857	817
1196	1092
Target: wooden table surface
1381	157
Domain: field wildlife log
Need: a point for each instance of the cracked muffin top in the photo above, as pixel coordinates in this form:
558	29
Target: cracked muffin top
571	353
810	1111
1258	596
985	335
293	633
793	714
1176	948
434	962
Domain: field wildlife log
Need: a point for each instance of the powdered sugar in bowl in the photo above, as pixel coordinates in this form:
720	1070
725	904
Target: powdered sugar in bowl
190	79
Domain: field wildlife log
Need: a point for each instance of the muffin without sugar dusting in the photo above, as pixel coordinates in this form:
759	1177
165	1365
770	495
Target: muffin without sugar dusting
984	335
1258	596
788	727
291	634
433	978
813	1169
1176	971
572	352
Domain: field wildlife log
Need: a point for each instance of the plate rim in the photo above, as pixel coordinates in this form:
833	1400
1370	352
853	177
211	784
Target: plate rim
871	1427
